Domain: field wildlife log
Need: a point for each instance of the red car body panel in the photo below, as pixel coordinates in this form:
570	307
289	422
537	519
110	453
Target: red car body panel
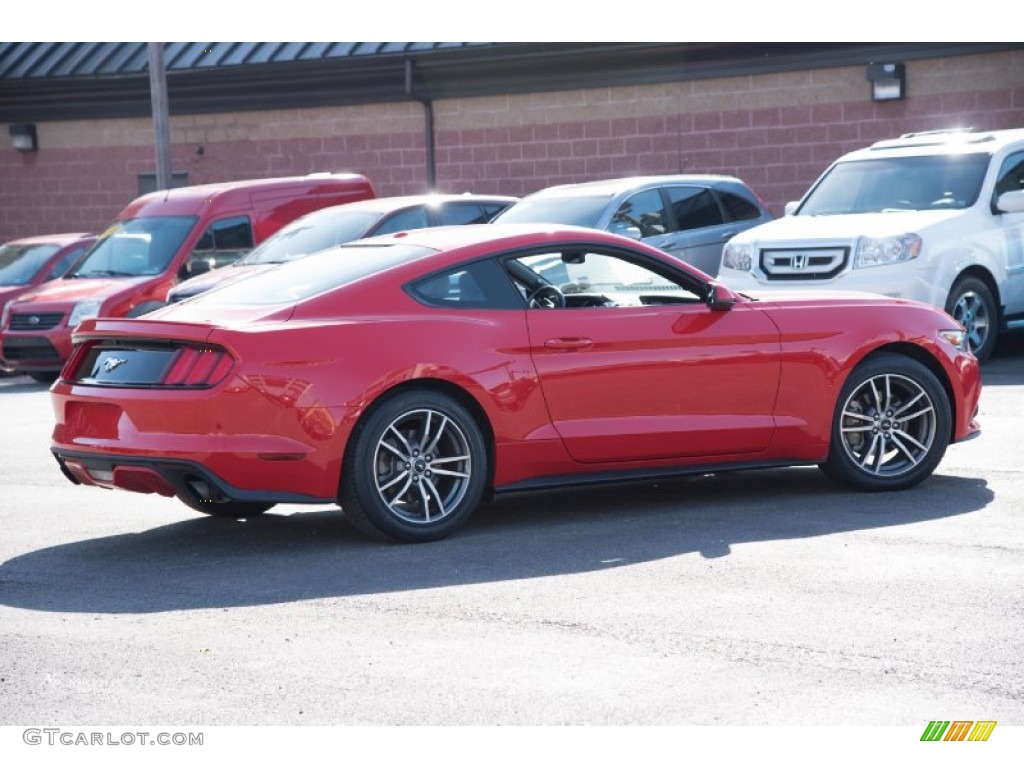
65	243
268	203
564	396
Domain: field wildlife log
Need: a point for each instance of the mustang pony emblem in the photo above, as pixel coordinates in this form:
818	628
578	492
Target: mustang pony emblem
113	363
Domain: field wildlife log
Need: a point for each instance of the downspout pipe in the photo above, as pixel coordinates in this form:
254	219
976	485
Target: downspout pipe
428	124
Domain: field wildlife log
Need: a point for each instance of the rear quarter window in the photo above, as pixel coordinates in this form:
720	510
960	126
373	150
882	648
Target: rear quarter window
303	278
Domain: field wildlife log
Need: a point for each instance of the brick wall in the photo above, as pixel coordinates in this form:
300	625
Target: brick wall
776	131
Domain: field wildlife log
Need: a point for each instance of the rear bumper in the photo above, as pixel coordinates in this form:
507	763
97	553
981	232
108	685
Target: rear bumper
188	480
239	441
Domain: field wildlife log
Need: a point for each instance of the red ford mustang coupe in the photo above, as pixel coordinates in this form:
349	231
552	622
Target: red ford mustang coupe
422	371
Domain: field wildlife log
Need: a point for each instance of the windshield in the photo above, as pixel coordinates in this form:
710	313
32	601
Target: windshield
311	234
136	247
310	276
935	182
579	211
20	263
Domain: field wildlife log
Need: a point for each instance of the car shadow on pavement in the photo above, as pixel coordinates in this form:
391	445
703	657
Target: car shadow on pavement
213	563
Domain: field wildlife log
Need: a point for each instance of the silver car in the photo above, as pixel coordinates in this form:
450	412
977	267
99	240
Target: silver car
690	216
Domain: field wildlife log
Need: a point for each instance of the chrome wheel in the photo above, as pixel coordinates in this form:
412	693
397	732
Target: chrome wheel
973	305
423	466
416	467
972	313
891	426
888	425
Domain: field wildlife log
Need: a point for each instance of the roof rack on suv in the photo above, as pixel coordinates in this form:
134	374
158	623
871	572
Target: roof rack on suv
937	132
935	138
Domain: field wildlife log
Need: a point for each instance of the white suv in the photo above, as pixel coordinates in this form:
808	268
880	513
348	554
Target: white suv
937	217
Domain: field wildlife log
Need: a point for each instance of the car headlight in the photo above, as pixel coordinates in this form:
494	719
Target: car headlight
956	337
6	314
83	311
737	256
877	252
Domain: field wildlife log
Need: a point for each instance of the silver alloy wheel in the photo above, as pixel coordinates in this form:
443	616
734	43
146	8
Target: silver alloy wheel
970	311
422	466
888	425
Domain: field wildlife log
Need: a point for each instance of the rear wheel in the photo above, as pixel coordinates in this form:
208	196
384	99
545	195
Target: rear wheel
972	305
416	470
891	425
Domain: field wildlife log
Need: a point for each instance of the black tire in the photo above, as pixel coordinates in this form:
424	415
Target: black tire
145	308
428	447
234	510
891	425
972	305
44	377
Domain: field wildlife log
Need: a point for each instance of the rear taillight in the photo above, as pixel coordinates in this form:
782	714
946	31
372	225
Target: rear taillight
148	364
197	367
75	361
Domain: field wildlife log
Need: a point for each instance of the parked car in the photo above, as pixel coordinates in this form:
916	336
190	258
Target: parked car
344	223
30	261
937	217
411	375
158	239
689	216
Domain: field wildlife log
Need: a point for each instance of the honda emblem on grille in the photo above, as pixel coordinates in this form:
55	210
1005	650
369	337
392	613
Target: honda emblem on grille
112	363
799	261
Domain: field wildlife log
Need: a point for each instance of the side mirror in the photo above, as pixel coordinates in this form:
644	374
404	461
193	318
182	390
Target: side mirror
791	207
198	265
1010	202
718	299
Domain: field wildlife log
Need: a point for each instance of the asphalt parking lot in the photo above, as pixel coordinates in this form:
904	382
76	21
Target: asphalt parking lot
758	598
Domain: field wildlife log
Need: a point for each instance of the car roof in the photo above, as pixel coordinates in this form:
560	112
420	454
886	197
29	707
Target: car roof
389	204
453	237
62	239
610	187
188	200
941	142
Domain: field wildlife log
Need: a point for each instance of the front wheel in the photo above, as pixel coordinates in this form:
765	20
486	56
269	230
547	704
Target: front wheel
972	305
416	469
891	426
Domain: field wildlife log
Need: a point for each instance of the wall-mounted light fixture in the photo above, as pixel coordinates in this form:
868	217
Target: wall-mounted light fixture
888	81
23	137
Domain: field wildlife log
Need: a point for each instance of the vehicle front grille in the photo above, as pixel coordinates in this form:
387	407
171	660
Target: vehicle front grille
803	263
35	321
29	349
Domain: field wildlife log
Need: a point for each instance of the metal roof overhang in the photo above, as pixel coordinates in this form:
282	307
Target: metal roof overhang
440	73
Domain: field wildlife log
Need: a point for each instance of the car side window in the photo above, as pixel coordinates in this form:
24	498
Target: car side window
225	241
640	215
66	262
581	278
479	285
1011	175
463	213
694	207
738	208
410	218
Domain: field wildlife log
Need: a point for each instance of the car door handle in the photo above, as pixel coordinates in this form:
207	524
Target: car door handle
666	246
568	345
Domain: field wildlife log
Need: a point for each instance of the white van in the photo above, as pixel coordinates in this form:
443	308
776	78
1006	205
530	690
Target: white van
936	216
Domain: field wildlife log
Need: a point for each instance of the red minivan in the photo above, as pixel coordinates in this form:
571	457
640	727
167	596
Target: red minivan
159	239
